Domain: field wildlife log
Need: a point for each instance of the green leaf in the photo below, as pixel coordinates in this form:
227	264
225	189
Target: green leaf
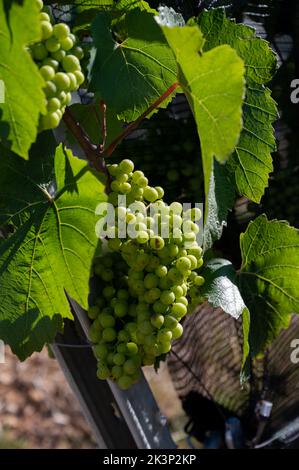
269	278
251	163
259	59
220	200
52	245
220	288
214	85
24	97
126	5
130	75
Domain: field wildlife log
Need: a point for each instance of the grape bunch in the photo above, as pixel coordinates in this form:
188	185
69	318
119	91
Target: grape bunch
143	277
58	58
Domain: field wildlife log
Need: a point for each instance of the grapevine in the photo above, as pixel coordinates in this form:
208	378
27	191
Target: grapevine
145	280
58	59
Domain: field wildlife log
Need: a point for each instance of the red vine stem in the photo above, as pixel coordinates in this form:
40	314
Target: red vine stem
92	152
131	127
95	153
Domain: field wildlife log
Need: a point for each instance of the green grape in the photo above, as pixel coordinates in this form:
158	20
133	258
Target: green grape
160	192
108	292
119	359
47	72
136	175
125	188
107	321
117	372
50	121
182	300
132	348
40	4
193	261
153	294
126	166
50	90
47	29
52	63
43	16
199	281
101	351
53	105
164	348
39	51
103	372
142	182
67	43
167	297
150	194
109	335
78	52
93	312
178	291
170	322
150	281
177	331
195	251
157	243
124	382
61	31
130	366
176	207
120	308
70	63
62	81
161	271
52	44
164	336
58	55
73	81
123	336
178	310
183	264
157	320
79	77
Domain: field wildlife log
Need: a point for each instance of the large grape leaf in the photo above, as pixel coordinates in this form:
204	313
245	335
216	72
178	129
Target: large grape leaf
269	278
251	162
24	97
49	204
131	74
214	85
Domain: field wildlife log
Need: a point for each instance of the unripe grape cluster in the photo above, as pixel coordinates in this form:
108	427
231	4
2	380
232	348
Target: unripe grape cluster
143	278
58	58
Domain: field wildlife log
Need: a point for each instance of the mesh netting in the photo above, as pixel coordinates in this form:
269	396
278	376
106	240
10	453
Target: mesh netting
207	361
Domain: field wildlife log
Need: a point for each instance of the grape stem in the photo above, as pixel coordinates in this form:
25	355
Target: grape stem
131	127
96	154
92	152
